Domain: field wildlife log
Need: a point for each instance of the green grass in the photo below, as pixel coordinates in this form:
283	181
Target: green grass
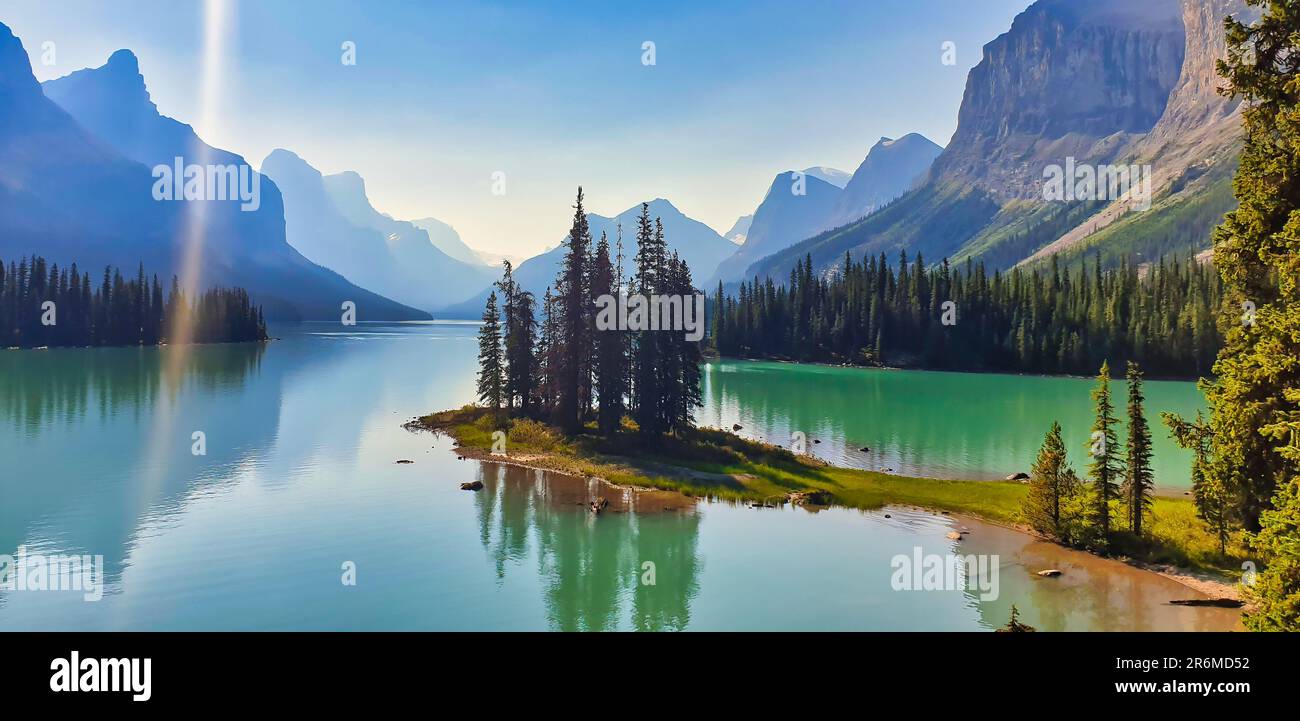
711	463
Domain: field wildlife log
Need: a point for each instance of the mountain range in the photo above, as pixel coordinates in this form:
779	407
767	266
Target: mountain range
1096	83
330	220
698	244
445	238
798	206
76	185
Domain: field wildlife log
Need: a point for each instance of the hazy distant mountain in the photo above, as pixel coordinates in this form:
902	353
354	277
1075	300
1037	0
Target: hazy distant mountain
793	209
890	169
330	220
446	239
698	244
835	177
494	260
411	245
76	185
739	229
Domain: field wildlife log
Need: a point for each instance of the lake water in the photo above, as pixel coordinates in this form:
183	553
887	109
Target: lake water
299	483
935	424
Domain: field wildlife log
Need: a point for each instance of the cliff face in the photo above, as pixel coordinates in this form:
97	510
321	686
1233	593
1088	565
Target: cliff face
1195	101
1068	79
1103	81
1198	132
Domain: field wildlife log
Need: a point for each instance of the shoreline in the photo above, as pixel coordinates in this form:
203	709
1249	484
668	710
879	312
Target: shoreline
1212	583
918	369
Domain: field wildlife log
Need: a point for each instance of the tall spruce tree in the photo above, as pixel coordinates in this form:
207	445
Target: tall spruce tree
573	344
610	362
647	378
1104	468
1052	486
1139	480
491	387
1257	252
520	336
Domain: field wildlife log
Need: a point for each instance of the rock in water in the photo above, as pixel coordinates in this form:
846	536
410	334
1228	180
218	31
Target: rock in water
1049	573
472	486
403	461
736	427
954	535
1215	602
1018	477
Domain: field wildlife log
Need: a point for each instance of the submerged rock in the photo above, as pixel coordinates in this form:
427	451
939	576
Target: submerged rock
472	486
403	461
1215	602
736	427
813	498
1049	573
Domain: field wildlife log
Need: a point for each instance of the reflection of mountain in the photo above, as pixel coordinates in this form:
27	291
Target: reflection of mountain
591	567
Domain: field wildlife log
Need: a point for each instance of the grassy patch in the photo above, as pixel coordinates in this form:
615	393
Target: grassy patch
711	463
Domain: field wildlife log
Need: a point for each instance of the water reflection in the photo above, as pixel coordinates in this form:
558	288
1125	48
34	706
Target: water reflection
81	424
593	567
63	385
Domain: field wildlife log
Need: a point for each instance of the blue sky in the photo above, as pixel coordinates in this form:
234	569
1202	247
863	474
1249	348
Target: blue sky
444	94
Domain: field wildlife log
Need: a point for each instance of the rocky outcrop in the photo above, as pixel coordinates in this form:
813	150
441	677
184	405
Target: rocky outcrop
1198	127
1102	81
1068	79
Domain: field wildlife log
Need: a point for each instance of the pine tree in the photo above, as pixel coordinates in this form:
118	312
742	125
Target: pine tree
1276	591
1139	481
646	384
608	341
520	335
573	344
1052	486
1210	496
1257	252
490	372
1104	468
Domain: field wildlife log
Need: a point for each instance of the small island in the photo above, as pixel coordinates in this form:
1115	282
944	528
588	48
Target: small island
714	464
